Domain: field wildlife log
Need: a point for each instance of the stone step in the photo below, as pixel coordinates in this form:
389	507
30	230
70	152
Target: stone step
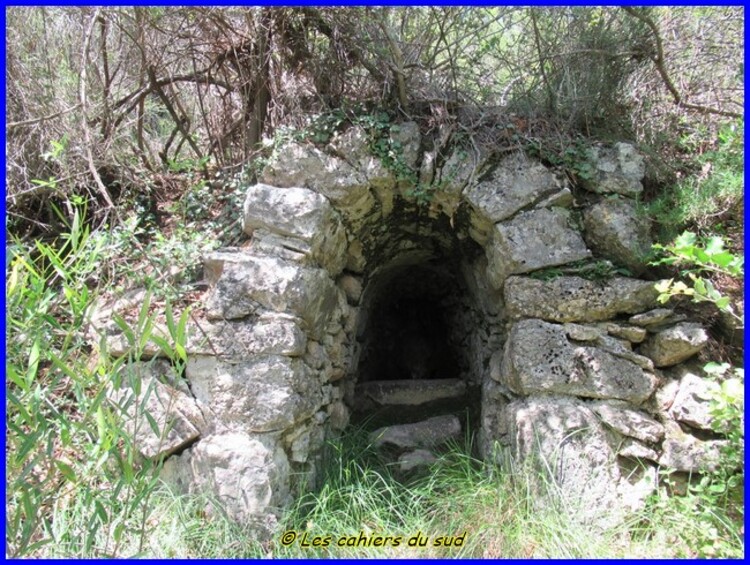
426	434
407	392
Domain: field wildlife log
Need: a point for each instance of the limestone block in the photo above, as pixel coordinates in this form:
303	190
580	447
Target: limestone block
338	415
264	393
303	219
516	183
353	146
304	440
494	430
301	165
178	419
621	348
461	169
691	404
352	287
615	230
629	422
617	169
533	240
564	439
409	392
636	450
242	282
540	359
674	345
428	433
415	459
271	333
578	332
633	334
562	199
664	398
684	452
574	299
408	139
248	473
655	317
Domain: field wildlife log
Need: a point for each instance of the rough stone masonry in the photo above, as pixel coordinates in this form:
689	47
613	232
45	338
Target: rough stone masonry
586	378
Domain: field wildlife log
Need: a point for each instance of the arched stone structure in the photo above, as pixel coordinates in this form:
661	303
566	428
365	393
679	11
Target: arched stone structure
353	298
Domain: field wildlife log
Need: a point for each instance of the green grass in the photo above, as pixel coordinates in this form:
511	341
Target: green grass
701	201
363	498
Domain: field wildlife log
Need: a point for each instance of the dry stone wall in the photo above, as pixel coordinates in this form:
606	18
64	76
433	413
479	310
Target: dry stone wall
580	377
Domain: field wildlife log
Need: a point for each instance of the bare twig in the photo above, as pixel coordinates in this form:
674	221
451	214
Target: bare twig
658	59
26	123
83	104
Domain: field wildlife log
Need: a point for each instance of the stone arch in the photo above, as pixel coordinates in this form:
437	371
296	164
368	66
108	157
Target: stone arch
339	244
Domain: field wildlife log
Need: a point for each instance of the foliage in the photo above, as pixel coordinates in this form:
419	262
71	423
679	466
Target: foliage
572	157
495	504
713	193
699	258
707	516
74	479
593	270
152	91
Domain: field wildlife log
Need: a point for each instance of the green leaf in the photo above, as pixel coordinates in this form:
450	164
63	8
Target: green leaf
723	303
699	285
34	355
152	424
66	470
723	259
714	245
686	239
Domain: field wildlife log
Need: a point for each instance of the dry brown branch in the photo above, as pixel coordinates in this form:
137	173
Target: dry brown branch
658	59
83	102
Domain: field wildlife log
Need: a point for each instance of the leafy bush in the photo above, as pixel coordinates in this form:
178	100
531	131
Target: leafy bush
75	482
715	190
699	259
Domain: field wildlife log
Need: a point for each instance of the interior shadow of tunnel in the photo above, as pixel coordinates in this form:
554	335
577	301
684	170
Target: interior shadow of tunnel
414	362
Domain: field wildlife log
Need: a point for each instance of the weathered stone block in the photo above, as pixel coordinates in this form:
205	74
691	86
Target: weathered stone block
271	333
242	282
629	422
564	439
615	230
300	165
530	241
691	404
429	433
516	183
683	452
540	359
248	473
674	345
301	219
178	419
574	299
263	393
617	169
